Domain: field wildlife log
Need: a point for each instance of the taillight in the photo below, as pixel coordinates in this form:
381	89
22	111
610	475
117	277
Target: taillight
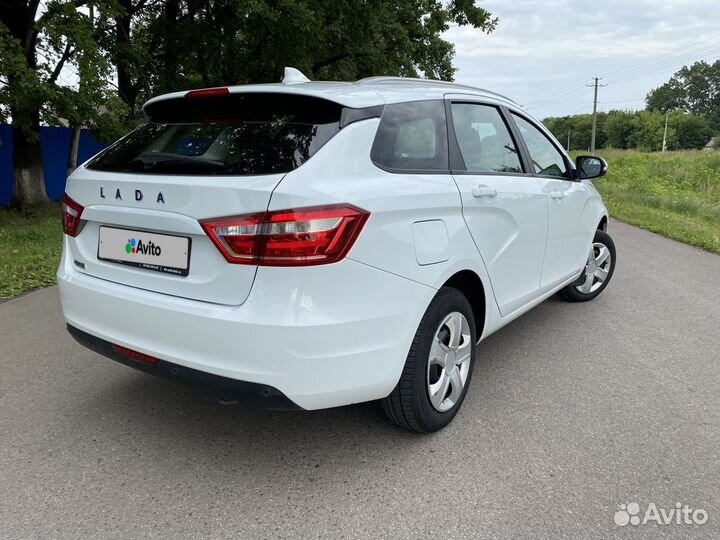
299	237
237	238
71	216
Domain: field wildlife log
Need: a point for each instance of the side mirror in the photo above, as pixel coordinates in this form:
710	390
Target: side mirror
590	167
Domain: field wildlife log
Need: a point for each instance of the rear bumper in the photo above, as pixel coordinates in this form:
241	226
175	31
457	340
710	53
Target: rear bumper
252	394
321	336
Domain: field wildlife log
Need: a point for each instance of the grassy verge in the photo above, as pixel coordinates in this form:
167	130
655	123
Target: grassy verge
31	244
676	194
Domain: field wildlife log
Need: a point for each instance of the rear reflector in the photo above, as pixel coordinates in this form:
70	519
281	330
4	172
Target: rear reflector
71	216
207	92
299	237
134	355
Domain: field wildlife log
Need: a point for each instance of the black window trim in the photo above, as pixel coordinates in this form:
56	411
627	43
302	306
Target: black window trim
457	163
568	163
350	115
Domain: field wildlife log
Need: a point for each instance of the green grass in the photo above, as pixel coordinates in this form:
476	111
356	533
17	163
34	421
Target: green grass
31	243
676	194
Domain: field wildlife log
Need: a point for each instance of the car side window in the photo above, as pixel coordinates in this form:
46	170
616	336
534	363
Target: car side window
412	137
546	159
484	140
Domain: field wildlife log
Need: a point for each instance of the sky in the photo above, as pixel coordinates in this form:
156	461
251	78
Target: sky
544	52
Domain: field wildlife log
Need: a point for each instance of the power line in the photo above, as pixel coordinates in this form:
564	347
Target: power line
694	51
621	101
666	62
666	69
673	67
697	48
575	92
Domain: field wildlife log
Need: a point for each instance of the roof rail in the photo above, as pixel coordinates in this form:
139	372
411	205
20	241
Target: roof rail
384	78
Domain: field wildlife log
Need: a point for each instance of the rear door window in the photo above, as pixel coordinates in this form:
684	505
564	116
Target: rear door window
412	137
234	134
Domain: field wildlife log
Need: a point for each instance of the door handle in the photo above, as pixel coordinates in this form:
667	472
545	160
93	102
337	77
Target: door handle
483	191
557	194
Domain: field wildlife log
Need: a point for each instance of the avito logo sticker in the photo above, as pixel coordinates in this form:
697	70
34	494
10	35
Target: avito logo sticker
143	248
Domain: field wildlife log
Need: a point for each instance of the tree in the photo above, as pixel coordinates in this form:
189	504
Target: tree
579	127
694	89
560	127
619	128
155	46
648	129
691	132
117	32
35	48
668	97
181	44
642	130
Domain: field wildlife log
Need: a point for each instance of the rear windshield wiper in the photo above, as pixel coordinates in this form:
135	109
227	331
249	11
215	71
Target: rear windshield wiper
152	160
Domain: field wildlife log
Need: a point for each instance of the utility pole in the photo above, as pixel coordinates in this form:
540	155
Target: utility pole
568	145
664	147
594	116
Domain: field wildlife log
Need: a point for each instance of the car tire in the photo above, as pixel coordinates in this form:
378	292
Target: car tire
595	277
440	360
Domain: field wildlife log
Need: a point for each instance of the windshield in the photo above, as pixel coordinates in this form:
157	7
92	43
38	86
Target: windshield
232	135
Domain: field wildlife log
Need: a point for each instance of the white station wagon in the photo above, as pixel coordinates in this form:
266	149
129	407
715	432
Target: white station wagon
305	245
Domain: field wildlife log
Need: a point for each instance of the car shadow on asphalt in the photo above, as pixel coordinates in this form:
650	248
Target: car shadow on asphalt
164	414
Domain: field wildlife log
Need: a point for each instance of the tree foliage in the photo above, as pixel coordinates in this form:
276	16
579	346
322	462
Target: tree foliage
647	132
151	47
36	48
691	131
690	99
642	130
34	56
619	129
694	89
191	43
578	128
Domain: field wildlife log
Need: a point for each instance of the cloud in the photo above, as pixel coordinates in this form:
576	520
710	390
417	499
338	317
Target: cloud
543	53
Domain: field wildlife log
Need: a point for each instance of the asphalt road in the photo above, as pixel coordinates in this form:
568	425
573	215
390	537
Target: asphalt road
574	409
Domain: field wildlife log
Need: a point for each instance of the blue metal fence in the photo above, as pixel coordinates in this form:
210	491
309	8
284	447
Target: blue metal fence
6	164
55	145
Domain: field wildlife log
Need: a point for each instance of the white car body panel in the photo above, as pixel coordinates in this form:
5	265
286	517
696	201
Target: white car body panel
510	230
567	235
210	279
396	203
329	345
333	334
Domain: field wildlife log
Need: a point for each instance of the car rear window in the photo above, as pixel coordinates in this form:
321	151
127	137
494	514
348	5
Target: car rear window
232	134
412	137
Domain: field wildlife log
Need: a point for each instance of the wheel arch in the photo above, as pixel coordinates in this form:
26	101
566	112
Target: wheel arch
470	284
602	226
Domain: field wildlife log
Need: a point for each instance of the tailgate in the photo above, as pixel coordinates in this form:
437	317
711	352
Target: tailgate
166	210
